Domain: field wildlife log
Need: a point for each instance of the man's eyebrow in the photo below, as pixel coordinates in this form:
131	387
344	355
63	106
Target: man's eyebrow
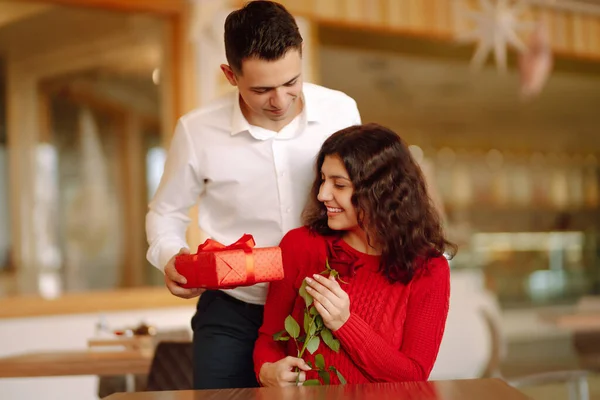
273	87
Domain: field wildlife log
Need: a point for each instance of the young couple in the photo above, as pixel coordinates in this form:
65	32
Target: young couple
251	159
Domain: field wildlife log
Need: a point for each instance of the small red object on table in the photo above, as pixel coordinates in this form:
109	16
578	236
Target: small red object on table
216	266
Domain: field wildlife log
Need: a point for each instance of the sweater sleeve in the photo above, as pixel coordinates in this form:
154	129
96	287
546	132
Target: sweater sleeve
423	328
280	302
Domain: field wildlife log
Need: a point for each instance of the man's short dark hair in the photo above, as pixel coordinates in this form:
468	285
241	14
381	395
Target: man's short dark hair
261	29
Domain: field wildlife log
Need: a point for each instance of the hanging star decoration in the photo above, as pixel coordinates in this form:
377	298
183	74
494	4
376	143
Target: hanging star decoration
207	21
535	64
497	25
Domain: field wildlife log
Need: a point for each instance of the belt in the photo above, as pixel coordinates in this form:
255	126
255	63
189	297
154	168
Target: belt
233	300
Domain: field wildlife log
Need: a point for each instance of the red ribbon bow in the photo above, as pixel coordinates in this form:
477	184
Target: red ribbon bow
245	243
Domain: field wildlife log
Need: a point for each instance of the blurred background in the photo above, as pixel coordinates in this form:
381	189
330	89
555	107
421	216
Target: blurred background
90	91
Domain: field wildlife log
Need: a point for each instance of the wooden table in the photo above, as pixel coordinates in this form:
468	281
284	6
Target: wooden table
476	389
575	321
143	298
583	317
65	363
70	363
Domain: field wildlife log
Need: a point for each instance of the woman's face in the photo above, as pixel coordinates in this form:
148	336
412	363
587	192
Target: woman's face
336	194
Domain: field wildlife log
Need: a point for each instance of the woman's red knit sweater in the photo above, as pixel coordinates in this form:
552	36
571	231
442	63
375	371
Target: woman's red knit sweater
394	330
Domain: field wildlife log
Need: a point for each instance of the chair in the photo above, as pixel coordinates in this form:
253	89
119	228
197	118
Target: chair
466	346
587	347
586	342
108	385
576	380
172	367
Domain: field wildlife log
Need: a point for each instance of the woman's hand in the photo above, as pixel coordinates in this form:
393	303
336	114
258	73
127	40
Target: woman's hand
331	301
281	373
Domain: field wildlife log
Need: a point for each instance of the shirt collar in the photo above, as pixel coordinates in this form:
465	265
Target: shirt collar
311	105
239	123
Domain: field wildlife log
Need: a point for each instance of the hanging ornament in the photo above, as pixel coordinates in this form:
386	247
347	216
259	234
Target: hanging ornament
535	63
497	25
207	21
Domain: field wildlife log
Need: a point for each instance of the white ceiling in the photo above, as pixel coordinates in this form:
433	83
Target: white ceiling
436	102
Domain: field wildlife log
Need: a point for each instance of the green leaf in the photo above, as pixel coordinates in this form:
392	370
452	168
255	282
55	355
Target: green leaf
292	327
313	344
313	311
308	300
301	338
320	361
282	339
307	321
280	335
313	329
325	376
309	364
335	346
311	382
340	377
329	340
319	322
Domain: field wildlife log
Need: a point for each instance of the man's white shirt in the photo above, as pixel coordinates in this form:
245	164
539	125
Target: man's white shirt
248	179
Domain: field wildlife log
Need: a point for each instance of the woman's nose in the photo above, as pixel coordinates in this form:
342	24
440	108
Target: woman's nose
324	194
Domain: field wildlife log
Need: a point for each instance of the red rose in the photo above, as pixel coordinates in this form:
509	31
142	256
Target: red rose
341	259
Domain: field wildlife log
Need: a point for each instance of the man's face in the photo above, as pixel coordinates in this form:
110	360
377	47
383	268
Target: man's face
270	90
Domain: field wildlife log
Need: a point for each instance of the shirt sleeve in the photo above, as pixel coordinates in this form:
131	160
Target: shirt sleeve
356	120
280	303
179	189
423	328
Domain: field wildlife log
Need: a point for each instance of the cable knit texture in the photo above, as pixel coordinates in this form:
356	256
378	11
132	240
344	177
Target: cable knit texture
394	330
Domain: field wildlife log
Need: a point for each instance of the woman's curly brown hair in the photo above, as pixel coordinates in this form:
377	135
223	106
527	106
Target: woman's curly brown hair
390	197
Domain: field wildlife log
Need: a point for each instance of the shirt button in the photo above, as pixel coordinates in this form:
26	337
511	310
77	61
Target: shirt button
288	210
282	174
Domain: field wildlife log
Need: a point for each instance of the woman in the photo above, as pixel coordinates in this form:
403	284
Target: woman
370	217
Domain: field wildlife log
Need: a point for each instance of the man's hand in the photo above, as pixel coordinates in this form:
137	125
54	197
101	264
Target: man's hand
173	279
281	373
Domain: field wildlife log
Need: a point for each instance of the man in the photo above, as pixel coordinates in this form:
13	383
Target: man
248	157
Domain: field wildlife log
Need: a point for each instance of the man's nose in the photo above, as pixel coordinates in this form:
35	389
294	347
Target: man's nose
278	98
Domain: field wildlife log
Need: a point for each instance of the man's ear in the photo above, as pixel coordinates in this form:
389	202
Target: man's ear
229	74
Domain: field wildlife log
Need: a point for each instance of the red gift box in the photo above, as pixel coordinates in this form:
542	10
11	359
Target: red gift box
216	266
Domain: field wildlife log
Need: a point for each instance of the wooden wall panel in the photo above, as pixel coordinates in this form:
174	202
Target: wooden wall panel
574	33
